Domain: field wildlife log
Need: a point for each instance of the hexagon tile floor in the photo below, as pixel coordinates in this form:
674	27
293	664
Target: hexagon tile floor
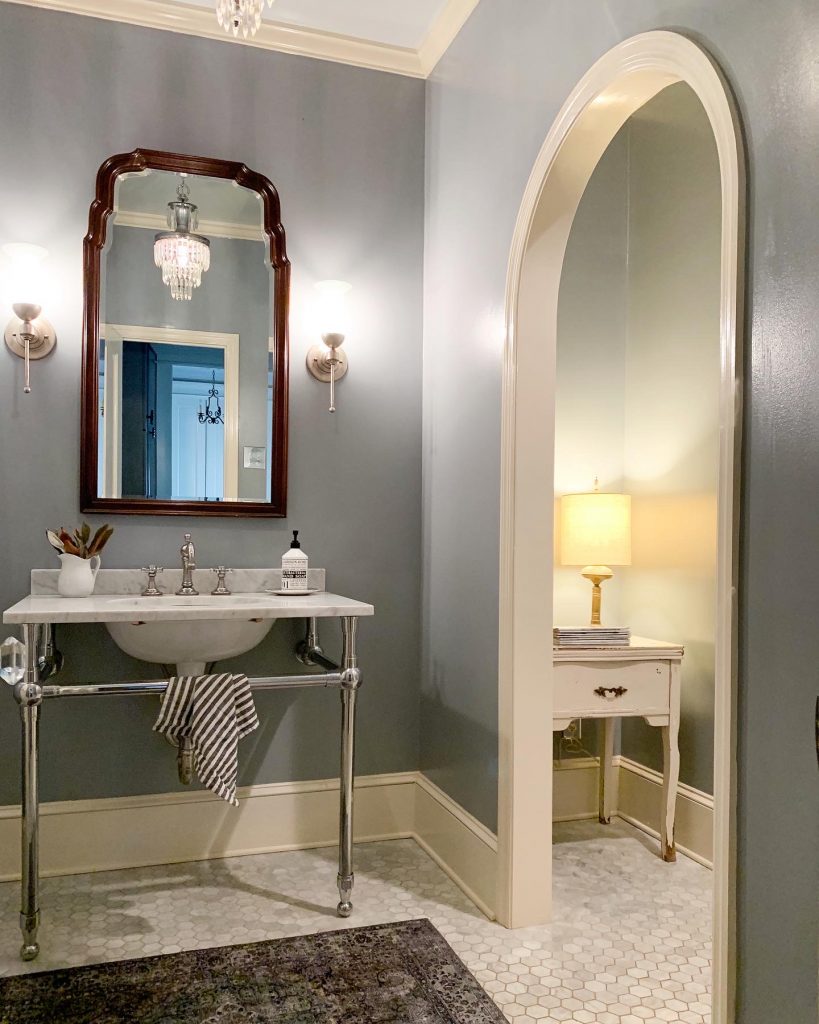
630	942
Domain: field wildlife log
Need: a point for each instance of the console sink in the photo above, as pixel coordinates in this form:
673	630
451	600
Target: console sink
188	632
189	644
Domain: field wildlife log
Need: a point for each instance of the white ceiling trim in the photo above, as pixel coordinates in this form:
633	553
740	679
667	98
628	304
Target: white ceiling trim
303	42
211	228
443	30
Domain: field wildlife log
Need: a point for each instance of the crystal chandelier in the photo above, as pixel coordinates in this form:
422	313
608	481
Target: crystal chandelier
246	15
182	255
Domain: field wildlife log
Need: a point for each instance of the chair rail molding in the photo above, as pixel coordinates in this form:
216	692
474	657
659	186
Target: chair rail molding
620	82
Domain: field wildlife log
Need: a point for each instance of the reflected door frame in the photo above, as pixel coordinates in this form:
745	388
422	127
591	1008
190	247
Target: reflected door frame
115	335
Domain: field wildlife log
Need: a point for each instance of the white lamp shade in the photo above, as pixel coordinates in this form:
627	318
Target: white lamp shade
595	529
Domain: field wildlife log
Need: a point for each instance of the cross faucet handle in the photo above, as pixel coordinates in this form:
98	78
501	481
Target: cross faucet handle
220	588
152	590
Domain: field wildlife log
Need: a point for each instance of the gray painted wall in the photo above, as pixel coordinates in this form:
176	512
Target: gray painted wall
345	149
490	104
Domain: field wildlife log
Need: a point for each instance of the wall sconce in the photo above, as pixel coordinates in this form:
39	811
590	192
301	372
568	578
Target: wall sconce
327	362
27	334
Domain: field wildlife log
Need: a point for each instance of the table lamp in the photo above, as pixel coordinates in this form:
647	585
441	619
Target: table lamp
595	532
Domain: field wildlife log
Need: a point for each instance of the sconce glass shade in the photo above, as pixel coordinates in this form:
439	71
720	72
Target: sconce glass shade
23	276
181	255
595	529
332	312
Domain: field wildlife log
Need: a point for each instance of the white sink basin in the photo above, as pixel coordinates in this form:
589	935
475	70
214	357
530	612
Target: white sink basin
192	643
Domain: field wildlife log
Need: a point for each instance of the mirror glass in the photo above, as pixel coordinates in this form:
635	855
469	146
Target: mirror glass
188	343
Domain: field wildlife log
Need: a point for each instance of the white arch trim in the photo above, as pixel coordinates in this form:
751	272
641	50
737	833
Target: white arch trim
618	84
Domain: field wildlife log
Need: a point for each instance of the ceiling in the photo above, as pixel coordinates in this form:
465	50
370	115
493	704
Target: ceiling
226	209
404	23
406	37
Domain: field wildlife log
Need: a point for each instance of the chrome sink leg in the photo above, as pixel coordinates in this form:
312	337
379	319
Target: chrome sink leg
350	682
29	695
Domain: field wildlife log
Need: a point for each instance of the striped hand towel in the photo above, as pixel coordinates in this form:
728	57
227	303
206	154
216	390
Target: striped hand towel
215	712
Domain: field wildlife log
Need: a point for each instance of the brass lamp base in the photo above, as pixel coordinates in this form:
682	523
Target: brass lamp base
597	574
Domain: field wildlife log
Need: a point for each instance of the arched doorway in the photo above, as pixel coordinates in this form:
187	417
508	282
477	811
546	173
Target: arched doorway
622	81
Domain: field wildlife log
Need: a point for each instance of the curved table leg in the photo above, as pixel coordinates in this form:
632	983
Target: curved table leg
671	770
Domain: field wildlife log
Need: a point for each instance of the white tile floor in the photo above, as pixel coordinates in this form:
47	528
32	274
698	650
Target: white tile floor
630	941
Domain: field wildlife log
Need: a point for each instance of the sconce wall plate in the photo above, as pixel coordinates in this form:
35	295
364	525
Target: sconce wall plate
318	362
43	338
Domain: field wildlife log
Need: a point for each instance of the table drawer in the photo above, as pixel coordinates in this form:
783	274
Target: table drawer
604	689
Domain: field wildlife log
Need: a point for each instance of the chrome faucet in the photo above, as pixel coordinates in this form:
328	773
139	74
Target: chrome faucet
188	553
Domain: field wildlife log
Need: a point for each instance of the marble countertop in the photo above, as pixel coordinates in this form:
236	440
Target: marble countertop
116	598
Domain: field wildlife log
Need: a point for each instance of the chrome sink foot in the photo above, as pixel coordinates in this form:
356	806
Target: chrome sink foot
345	892
29	923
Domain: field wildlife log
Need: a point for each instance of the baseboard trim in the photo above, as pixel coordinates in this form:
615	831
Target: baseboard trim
637	801
81	836
639	804
460	844
574	796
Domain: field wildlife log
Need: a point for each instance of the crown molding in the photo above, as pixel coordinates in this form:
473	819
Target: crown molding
443	31
201	21
211	228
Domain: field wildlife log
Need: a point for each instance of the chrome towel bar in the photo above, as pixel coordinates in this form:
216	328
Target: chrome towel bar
158	686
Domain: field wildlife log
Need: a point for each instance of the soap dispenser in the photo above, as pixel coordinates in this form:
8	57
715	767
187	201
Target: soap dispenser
294	567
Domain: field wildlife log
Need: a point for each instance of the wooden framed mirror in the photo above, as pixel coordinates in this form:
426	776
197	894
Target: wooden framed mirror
185	348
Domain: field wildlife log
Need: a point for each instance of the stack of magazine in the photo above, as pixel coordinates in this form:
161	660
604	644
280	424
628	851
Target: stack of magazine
592	636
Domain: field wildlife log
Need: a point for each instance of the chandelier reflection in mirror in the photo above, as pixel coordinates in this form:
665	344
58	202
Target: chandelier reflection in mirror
240	15
209	415
181	254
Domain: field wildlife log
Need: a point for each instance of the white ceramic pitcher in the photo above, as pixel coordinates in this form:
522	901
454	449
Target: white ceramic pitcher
77	575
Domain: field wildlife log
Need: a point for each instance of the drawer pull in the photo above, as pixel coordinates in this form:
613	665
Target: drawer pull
610	692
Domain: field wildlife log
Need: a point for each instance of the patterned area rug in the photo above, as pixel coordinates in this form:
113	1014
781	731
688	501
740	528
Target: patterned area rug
401	973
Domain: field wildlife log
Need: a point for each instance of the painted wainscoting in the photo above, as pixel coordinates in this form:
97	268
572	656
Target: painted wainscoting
167	828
